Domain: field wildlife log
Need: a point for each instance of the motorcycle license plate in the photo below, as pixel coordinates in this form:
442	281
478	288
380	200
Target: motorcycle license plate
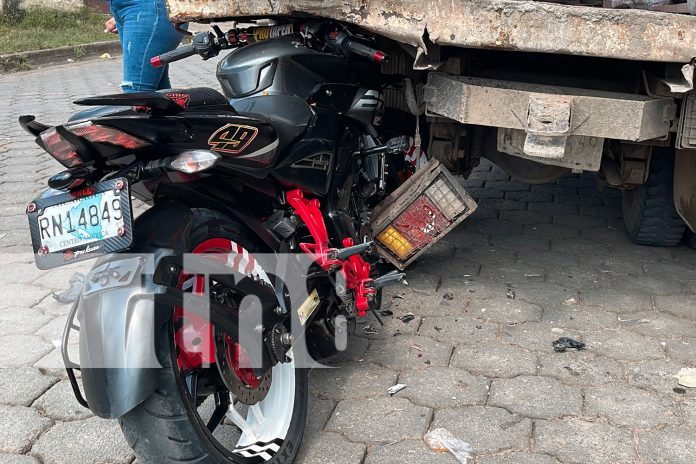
81	225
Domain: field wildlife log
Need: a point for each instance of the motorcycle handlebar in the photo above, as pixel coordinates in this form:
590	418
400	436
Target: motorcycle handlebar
359	49
175	55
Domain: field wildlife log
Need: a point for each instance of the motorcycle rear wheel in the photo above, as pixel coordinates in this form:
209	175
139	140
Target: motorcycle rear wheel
174	426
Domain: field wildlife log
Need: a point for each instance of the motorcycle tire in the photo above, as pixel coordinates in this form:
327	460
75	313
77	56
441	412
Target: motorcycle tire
169	427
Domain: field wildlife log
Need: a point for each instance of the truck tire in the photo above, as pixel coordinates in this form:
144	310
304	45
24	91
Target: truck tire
648	210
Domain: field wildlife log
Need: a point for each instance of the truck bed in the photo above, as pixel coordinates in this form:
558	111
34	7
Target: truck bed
529	26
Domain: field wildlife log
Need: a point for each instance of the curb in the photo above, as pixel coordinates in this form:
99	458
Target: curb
25	61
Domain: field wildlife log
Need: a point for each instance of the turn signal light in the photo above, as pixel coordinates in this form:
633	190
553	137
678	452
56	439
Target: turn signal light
104	134
193	161
59	148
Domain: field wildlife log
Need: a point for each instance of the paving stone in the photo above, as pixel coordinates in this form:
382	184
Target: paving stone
688	410
318	413
581	368
630	407
19	427
380	420
538	336
393	325
21	321
472	289
440	387
617	301
480	193
526	217
514	274
658	375
479	254
671	445
520	243
485	428
460	329
621	344
577	279
495	360
504	310
21	386
548	259
574	440
59	403
17	459
579	221
677	305
605	235
330	448
409	353
460	267
91	440
506	185
660	325
499	227
354	351
601	211
683	351
22	350
553	208
53	330
552	231
646	283
20	295
52	364
502	205
518	457
529	197
412	451
579	317
523	395
351	380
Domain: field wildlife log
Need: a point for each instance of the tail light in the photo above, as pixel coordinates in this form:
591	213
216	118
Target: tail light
104	134
419	213
62	150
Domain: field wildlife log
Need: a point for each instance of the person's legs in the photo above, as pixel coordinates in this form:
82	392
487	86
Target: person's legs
145	32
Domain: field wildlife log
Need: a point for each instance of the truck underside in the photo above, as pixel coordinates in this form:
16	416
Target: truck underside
541	89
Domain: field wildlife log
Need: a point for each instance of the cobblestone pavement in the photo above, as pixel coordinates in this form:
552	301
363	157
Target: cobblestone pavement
475	361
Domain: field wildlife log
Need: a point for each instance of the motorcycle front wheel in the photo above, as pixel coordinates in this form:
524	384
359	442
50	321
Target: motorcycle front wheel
191	418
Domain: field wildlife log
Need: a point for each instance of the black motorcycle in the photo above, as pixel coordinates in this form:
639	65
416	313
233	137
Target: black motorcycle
290	161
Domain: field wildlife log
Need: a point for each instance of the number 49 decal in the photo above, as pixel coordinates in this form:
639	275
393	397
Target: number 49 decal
232	138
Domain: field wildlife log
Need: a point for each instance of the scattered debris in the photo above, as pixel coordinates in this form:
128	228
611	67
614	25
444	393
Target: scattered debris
483	310
422	292
386	312
449	296
532	275
397	333
479	327
393	390
105	56
557	330
416	347
441	440
369	330
563	343
406	318
679	390
397	297
437	329
570	301
511	294
632	321
686	377
572	371
71	295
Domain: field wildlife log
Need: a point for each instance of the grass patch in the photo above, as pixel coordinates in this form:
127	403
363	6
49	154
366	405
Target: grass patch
41	28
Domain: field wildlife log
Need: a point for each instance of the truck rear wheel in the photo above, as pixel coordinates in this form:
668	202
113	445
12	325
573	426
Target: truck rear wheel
648	210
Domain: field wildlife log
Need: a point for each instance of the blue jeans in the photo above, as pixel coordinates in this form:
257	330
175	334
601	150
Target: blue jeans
145	31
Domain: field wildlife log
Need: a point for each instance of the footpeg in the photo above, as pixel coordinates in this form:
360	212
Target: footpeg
391	278
345	253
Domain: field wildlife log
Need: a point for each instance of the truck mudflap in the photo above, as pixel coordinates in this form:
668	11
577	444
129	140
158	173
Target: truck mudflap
518	25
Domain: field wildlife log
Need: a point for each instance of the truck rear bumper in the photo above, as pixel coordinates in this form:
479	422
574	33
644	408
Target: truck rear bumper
554	125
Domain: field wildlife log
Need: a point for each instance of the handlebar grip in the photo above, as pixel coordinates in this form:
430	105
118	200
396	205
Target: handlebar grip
360	49
175	55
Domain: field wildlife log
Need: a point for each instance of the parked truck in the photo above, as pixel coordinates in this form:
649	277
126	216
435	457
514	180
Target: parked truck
539	88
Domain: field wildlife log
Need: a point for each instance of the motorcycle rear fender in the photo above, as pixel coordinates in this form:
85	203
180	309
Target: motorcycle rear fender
118	353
